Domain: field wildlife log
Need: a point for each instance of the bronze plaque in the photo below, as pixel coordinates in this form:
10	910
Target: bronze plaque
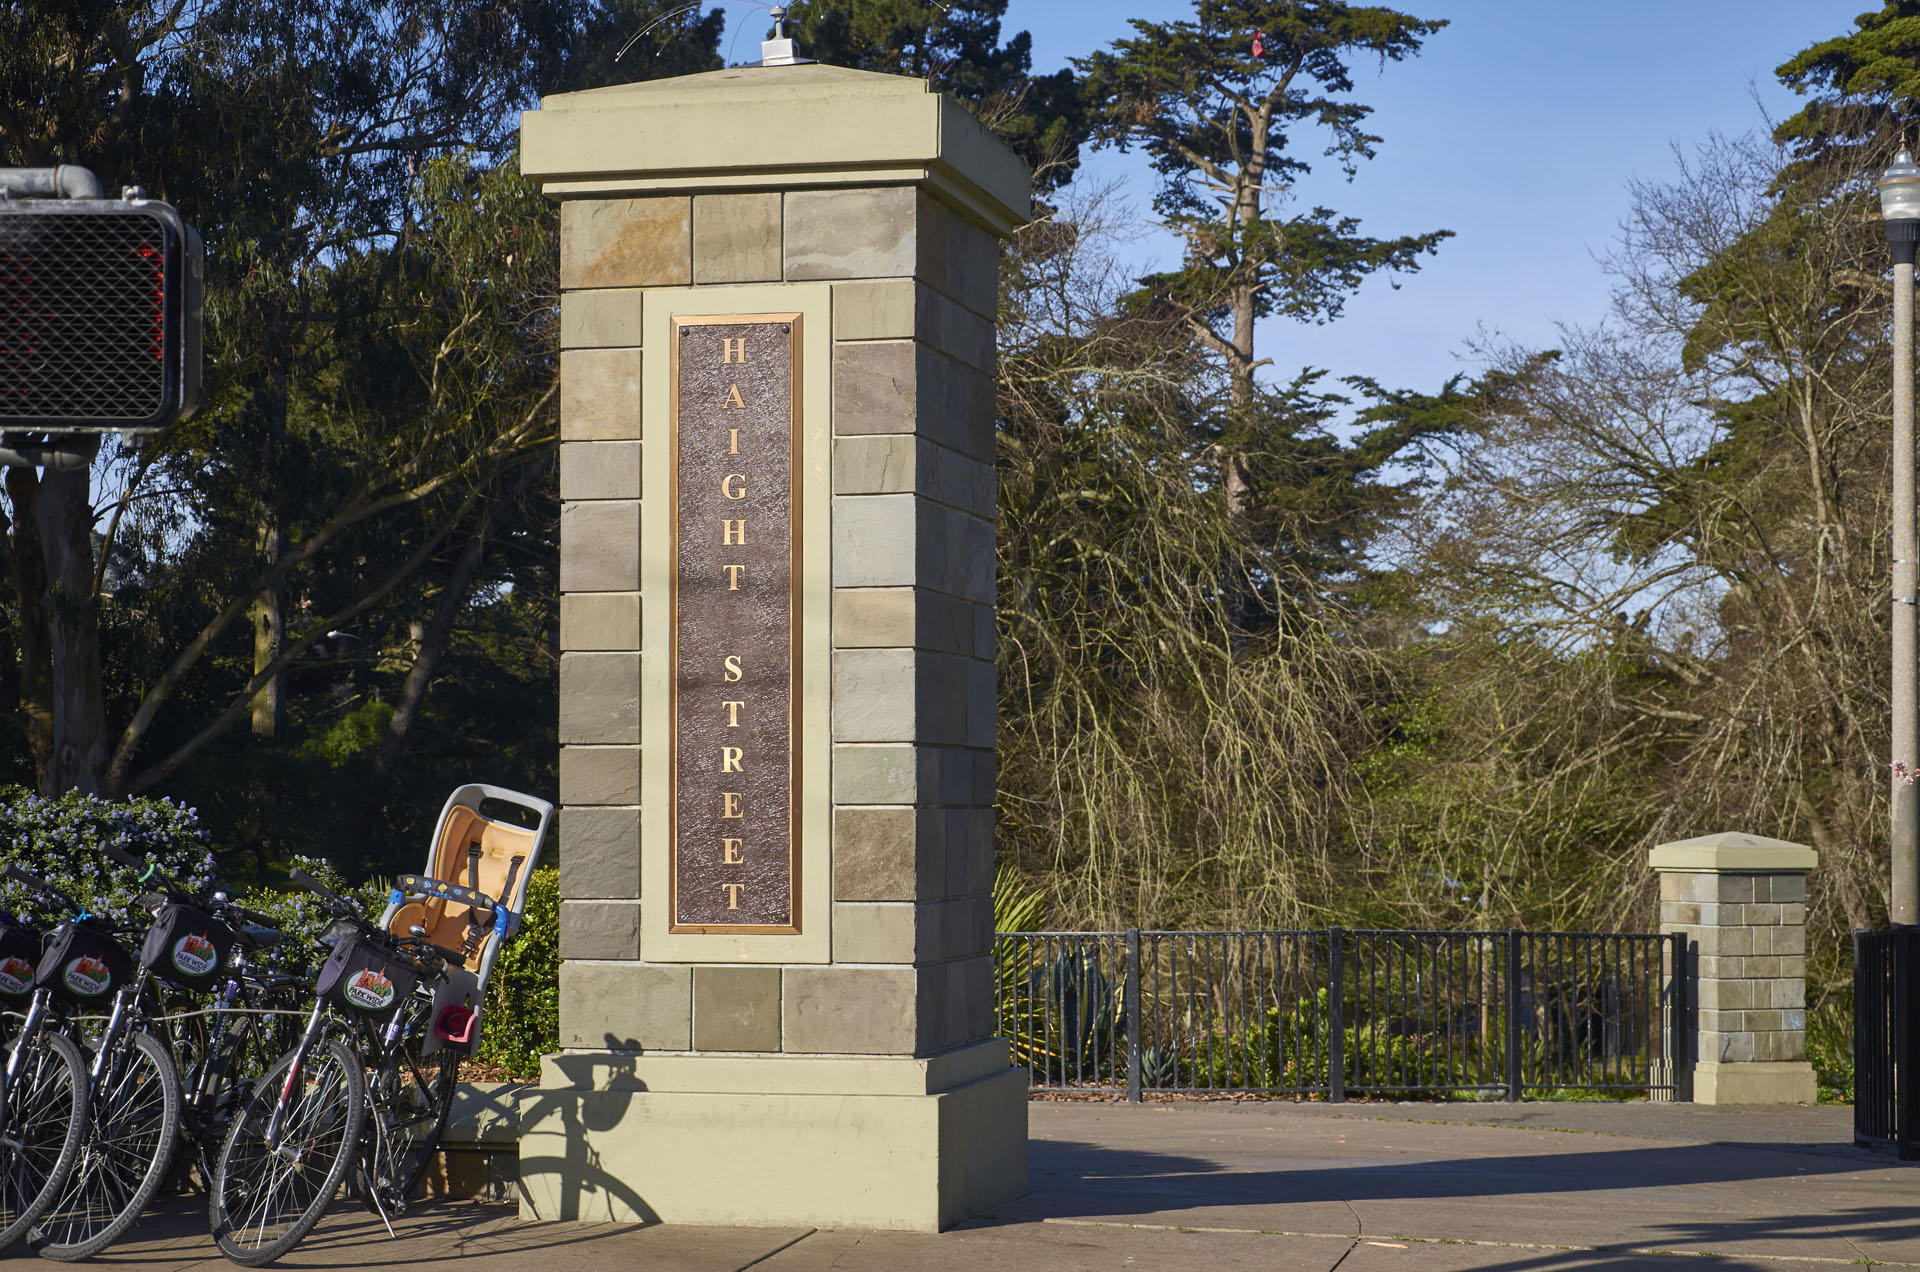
736	623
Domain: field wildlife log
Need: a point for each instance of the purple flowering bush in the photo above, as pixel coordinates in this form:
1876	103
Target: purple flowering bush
59	838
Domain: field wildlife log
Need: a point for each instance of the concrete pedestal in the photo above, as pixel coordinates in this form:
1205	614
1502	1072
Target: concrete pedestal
836	1067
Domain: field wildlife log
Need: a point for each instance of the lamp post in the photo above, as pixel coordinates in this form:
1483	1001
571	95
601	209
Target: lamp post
1900	205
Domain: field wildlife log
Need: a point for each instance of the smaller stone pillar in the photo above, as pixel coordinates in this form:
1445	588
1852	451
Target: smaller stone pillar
1741	900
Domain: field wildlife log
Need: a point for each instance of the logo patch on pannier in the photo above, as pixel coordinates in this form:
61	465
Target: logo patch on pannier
371	990
195	955
87	977
16	976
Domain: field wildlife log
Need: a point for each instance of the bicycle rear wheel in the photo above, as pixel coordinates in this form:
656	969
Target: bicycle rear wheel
46	1118
264	1197
132	1129
407	1108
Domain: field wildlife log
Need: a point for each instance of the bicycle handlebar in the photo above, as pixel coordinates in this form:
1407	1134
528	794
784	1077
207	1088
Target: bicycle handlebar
313	885
34	882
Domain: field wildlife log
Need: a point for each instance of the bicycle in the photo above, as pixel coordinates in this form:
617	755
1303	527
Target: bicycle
43	1104
131	1106
199	945
315	1114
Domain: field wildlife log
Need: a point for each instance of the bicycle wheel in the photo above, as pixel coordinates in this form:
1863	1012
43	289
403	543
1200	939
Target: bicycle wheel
266	1197
408	1106
46	1118
133	1126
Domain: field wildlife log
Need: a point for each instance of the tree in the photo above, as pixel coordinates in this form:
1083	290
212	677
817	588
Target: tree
375	453
1220	104
956	47
1865	89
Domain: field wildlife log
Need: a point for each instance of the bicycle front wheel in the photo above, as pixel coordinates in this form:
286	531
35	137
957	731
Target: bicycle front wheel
46	1118
267	1195
133	1126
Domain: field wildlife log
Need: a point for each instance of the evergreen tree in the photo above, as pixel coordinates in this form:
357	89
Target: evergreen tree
957	48
1221	104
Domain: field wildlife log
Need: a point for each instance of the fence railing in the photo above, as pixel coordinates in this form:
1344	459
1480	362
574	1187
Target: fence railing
1339	1013
1886	1040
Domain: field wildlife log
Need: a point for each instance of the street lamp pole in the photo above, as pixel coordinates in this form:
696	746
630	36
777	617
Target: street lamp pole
1900	205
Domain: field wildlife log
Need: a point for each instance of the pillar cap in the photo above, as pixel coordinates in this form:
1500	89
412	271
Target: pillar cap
774	128
1736	852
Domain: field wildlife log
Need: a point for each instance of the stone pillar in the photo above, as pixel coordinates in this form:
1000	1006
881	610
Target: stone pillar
1741	900
831	1062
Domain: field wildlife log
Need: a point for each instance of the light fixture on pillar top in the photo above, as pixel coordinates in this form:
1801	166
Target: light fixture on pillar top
779	50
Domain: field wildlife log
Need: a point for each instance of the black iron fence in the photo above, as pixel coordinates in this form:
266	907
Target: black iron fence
1886	1040
1339	1013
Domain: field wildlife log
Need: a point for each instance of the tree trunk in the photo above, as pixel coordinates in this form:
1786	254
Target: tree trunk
61	707
269	635
269	610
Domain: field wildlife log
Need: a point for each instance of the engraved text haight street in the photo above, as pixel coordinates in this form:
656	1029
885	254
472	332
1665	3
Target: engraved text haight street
735	620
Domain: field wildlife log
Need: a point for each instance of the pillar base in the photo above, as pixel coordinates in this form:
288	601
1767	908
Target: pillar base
1755	1082
844	1142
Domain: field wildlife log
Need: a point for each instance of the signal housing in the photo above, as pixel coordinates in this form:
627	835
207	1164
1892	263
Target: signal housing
100	315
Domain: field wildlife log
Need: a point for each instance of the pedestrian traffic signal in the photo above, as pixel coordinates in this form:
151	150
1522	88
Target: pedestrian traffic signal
100	325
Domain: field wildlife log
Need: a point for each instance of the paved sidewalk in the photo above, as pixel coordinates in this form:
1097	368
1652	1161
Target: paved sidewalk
1361	1188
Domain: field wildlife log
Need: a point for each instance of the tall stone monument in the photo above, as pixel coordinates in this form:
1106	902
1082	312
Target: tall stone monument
777	680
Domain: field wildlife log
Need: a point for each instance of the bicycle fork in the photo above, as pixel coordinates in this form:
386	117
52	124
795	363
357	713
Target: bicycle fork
36	1017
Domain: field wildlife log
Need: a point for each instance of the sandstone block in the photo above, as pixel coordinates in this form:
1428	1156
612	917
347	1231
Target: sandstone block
599	698
736	238
623	1006
854	233
736	1008
599	470
850	1010
877	932
600	852
600	395
643	242
600	775
600	546
603	318
600	620
599	929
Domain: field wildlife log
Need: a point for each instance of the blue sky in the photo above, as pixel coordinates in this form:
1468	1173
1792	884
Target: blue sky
1517	128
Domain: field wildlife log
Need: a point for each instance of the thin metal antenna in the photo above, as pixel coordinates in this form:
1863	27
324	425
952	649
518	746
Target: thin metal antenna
674	13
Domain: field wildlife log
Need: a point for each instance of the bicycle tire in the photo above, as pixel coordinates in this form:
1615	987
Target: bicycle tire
258	1206
133	1127
46	1112
416	1093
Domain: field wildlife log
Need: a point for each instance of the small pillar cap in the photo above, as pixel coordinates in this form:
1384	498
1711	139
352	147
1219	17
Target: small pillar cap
1734	852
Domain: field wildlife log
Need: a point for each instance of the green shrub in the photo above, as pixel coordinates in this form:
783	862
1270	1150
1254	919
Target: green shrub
60	839
1830	1048
522	1019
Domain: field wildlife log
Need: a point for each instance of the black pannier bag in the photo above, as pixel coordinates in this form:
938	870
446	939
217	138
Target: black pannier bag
365	980
187	946
19	956
83	966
